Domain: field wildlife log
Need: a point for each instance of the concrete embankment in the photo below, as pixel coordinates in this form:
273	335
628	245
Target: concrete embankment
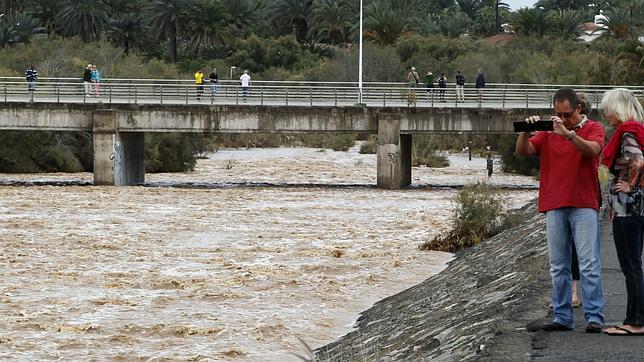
486	294
478	307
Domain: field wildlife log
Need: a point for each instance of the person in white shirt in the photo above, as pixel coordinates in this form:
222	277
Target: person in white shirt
245	83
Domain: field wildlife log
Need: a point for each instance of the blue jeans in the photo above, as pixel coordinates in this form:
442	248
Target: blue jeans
582	225
213	89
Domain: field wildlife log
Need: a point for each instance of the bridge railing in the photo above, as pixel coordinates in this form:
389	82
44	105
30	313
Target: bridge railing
291	93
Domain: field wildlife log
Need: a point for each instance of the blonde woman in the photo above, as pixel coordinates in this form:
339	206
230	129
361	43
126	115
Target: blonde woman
623	157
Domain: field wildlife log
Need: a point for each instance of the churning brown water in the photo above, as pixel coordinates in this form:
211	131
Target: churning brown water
139	273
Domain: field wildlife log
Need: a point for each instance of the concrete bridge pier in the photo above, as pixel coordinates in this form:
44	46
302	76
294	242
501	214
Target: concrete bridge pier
394	153
118	156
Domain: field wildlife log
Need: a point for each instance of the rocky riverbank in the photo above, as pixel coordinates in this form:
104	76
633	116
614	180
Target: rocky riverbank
484	294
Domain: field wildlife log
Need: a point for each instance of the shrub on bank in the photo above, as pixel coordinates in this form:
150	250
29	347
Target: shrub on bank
424	152
477	216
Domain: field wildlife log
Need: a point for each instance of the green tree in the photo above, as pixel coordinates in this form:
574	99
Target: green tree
295	13
8	34
128	31
564	24
385	23
245	16
207	27
12	6
620	24
46	13
450	23
331	19
167	19
84	18
530	22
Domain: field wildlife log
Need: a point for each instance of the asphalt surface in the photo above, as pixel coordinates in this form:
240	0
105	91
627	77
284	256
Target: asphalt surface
581	346
577	345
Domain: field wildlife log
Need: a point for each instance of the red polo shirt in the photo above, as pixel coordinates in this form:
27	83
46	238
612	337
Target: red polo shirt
568	178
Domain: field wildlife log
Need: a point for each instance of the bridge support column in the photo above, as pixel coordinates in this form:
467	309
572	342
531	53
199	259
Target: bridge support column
394	153
118	157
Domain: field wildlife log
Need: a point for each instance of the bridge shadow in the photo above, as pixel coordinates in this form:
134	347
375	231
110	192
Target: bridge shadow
276	185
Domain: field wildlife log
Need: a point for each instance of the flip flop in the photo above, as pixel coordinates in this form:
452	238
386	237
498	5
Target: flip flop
621	331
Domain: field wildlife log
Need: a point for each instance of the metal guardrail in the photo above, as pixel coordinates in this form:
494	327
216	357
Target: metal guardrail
291	93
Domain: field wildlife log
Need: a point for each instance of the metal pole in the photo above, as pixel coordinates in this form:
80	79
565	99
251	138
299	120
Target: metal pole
57	94
360	60
311	96
261	94
136	95
161	94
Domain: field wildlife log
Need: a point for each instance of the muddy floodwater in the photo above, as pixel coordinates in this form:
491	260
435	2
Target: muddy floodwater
274	245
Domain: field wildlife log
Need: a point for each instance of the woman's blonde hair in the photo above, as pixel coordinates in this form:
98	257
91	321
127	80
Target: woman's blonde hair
622	103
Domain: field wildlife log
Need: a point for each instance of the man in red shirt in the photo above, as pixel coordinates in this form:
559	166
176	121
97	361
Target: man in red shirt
569	196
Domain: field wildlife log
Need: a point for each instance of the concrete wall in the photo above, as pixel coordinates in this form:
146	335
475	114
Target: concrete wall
245	119
119	157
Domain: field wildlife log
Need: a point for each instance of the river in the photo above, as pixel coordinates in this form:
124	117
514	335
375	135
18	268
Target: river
239	260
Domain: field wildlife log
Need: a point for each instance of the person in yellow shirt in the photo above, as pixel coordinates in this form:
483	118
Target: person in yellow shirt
199	82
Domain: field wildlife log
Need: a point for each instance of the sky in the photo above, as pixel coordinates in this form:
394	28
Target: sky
516	4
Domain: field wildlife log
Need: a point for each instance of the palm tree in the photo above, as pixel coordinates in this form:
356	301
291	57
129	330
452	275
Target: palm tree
12	6
25	25
450	23
564	24
45	12
470	7
129	31
167	18
244	15
296	14
208	26
332	19
85	18
530	22
8	34
385	24
619	24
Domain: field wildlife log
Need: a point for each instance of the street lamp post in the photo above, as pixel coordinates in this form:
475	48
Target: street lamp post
360	60
231	71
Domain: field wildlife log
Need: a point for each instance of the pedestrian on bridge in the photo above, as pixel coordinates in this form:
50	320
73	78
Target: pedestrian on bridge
429	82
87	80
244	80
214	80
442	84
480	84
460	85
31	74
96	78
412	80
199	82
624	158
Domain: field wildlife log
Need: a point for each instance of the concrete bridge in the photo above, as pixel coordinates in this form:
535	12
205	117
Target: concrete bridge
118	123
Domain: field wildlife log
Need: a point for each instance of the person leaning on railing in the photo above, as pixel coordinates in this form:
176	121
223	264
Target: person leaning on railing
31	74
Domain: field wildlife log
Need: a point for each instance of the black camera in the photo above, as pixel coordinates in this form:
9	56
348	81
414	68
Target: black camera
530	127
